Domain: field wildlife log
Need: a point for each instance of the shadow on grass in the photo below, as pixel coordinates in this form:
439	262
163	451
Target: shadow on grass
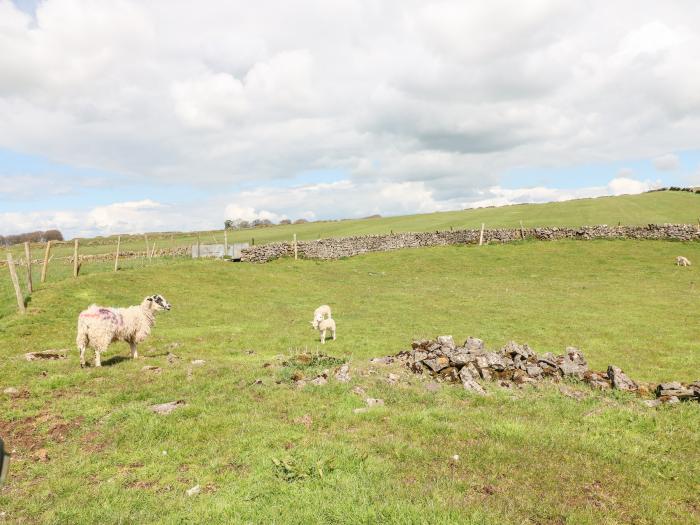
114	360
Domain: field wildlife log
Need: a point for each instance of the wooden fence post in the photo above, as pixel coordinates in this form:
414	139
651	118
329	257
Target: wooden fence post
153	250
15	283
225	244
522	231
28	255
295	246
76	266
481	235
116	255
145	236
198	246
45	267
252	241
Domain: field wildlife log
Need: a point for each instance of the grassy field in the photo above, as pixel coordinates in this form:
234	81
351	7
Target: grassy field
646	208
526	456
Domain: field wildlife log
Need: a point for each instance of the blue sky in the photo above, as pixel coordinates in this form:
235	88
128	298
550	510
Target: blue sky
132	116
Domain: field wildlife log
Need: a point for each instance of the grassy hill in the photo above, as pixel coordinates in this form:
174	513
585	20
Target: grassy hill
88	450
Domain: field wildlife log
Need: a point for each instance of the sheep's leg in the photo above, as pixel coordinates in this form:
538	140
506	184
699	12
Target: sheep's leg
134	352
333	334
323	337
82	356
98	362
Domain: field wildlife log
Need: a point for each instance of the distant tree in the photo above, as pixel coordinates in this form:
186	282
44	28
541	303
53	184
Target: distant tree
53	235
285	221
228	224
300	221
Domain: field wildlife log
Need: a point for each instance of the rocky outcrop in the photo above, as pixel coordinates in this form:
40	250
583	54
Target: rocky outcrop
335	248
516	364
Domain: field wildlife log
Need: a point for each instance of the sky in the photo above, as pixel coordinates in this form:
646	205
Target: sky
124	116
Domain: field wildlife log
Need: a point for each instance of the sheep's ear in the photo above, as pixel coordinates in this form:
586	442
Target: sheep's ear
149	298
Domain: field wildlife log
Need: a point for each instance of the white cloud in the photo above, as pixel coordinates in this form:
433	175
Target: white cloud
341	199
668	162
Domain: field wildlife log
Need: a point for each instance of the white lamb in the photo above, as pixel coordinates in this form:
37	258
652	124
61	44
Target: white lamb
682	261
323	326
321	313
99	326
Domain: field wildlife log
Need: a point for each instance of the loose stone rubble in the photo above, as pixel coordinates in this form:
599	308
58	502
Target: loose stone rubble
515	365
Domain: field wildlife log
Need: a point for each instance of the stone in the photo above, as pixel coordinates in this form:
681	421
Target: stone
166	408
474	345
343	374
547	358
198	362
533	371
300	383
572	364
420	343
359	391
372	402
11	391
672	400
469	382
512	349
382	360
652	403
319	381
619	379
437	363
674	390
495	361
172	358
392	379
419	355
432	386
450	374
462	357
151	368
194	490
446	341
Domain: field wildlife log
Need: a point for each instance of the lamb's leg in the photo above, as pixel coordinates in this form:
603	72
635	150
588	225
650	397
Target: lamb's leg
98	362
134	352
323	337
333	334
82	356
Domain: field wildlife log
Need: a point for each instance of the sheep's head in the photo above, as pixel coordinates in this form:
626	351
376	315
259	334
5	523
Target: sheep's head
157	302
317	320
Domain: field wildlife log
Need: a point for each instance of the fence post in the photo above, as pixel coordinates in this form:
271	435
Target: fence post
28	255
153	250
225	244
522	231
145	236
295	246
15	283
481	235
45	267
252	241
198	245
116	255
76	266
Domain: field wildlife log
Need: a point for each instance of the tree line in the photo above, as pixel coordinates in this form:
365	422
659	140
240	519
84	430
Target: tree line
37	236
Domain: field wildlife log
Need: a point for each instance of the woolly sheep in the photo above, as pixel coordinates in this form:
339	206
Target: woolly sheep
323	326
320	314
99	326
682	261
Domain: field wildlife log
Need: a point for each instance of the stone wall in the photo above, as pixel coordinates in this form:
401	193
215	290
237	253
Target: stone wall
335	248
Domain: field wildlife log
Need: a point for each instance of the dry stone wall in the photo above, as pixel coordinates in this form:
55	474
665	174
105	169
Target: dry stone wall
335	248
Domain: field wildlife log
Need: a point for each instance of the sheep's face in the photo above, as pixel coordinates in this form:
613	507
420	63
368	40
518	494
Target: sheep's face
317	320
158	302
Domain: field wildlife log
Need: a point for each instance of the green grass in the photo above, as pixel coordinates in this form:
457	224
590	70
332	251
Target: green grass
526	456
646	208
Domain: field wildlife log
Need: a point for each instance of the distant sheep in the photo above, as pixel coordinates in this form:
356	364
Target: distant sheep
321	313
682	261
99	326
325	325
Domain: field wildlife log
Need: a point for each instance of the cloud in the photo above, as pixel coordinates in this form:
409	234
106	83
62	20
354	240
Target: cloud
668	162
337	200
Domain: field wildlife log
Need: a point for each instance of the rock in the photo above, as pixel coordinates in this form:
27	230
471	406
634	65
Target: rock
166	408
572	364
46	354
652	403
372	402
495	361
194	490
392	379
151	368
41	455
320	380
343	374
533	371
420	343
674	389
437	363
432	386
446	341
548	359
198	362
470	383
172	358
258	382
300	383
11	391
474	345
382	360
462	357
419	355
620	380
359	391
671	400
449	374
512	349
